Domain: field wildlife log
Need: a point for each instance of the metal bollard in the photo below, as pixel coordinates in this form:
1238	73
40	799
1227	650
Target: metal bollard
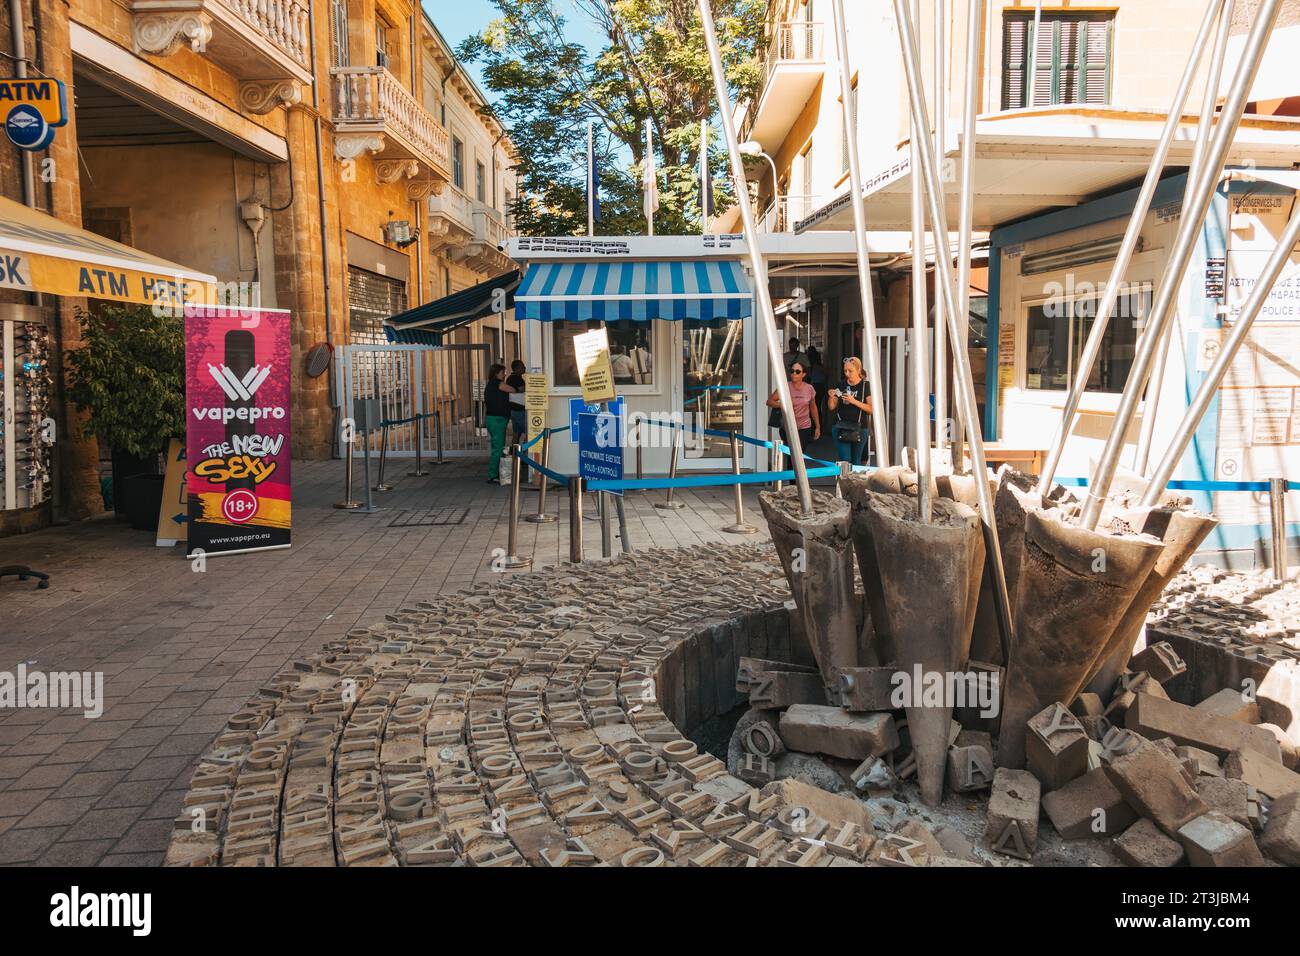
668	504
348	503
512	561
636	426
739	527
419	448
575	520
383	459
606	533
1277	518
541	517
437	432
365	471
622	525
779	464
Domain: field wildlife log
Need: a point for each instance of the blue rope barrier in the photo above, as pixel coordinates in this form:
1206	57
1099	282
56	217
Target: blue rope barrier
705	481
1195	484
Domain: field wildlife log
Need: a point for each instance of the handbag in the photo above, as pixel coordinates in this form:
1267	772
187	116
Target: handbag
850	432
774	418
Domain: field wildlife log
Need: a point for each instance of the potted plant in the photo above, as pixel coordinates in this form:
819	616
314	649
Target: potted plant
128	378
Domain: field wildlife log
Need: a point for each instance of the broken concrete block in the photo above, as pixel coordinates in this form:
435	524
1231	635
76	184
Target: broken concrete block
873	774
970	768
1129	688
865	689
1161	661
1290	753
1231	703
828	730
1143	844
755	770
915	830
1229	797
1207	764
1087	705
1013	812
1214	840
1281	839
1088	806
1153	784
835	810
1056	747
1267	776
1153	717
761	739
772	690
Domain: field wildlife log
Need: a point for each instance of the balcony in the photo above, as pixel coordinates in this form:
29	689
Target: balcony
792	68
482	253
784	214
374	113
451	219
262	43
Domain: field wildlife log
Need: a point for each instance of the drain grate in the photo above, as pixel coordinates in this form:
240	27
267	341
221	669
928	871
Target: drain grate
422	519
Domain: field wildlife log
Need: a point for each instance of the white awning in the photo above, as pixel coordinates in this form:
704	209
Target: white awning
1029	162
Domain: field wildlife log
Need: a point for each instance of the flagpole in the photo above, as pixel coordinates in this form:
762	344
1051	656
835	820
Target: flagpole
706	184
649	158
591	177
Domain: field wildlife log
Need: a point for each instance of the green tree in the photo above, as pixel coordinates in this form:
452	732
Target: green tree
653	65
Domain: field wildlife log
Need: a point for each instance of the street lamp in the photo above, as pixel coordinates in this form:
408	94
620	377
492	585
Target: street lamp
754	148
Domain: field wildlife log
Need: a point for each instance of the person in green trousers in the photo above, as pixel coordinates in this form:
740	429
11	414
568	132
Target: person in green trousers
497	398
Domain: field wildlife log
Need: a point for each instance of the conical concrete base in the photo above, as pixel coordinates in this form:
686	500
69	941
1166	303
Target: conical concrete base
1182	533
1074	587
876	641
929	575
984	638
818	562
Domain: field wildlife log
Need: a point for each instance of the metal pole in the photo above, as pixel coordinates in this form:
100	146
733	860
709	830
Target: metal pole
348	503
383	459
575	519
512	561
1162	307
1277	517
637	423
1110	293
1151	408
965	389
920	313
757	264
668	504
966	214
624	541
940	326
419	449
365	473
542	517
779	461
870	344
1209	386
437	429
606	533
1033	54
739	527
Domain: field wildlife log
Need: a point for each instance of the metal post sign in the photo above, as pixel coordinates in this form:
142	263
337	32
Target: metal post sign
578	407
33	108
600	447
237	402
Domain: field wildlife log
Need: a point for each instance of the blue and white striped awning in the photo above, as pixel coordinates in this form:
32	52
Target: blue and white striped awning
613	291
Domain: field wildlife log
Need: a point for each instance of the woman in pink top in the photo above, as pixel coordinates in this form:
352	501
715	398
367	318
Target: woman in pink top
804	399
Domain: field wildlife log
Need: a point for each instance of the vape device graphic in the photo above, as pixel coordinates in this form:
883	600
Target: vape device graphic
240	357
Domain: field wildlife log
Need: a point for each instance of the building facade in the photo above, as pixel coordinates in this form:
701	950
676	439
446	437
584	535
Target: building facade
293	149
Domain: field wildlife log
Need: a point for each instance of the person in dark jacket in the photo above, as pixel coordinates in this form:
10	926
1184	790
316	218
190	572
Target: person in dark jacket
496	396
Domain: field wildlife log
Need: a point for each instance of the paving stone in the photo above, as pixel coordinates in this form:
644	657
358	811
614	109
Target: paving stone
1088	806
1214	840
1153	718
1281	839
1143	844
1267	776
810	728
1152	783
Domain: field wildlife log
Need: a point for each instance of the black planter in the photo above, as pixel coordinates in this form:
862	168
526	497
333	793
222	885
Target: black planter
143	494
124	466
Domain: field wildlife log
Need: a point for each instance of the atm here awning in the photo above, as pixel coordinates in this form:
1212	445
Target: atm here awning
39	253
639	291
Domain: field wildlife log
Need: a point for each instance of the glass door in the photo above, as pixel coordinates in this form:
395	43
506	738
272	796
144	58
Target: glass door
713	388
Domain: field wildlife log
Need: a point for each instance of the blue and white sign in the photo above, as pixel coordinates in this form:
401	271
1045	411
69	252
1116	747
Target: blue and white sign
578	407
600	447
27	129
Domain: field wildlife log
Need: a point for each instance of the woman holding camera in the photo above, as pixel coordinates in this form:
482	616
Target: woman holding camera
851	406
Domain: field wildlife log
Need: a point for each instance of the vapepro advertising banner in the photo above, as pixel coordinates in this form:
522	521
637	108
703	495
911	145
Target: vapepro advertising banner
237	436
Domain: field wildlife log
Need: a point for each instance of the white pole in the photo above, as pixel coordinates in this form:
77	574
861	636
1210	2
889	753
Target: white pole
591	179
1032	85
704	177
1151	410
767	315
1110	292
870	344
945	283
1209	387
970	108
1180	255
920	316
649	158
940	242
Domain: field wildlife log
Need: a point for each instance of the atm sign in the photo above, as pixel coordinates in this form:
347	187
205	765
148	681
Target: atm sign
46	95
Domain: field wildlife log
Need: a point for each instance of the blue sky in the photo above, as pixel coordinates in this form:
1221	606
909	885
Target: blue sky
457	19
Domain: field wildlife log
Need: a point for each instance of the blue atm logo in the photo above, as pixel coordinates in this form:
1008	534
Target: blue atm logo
33	109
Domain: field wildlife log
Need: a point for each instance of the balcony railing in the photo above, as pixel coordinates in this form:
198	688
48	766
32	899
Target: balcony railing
257	41
786	212
488	227
451	217
369	99
797	47
481	252
798	42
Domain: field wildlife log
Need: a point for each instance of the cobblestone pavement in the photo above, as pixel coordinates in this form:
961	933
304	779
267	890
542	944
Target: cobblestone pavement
181	652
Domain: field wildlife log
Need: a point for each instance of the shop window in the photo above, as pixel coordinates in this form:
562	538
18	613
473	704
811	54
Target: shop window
630	348
1056	332
1070	58
372	298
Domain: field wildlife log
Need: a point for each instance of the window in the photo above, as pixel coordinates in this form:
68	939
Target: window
1072	63
339	34
1057	330
630	346
480	182
381	43
458	162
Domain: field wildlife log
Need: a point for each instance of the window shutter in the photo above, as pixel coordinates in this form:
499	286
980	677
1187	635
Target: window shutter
1044	63
1015	33
1097	67
1071	60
